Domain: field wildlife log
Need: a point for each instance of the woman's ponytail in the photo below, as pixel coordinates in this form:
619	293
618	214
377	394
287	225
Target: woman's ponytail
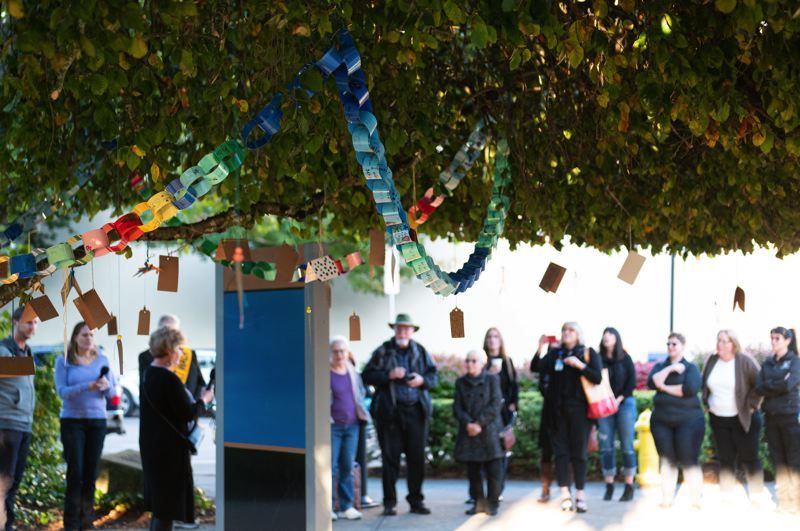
793	341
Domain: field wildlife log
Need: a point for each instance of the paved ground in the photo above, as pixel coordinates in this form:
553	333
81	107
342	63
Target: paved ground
520	511
203	464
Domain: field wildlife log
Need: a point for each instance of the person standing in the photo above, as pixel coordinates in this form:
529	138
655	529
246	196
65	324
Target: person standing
500	365
188	371
569	427
347	409
732	402
622	376
17	400
677	422
546	418
402	373
778	382
361	450
85	383
477	407
168	410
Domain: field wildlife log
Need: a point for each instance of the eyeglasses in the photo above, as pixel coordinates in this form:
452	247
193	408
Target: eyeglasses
672	343
471	360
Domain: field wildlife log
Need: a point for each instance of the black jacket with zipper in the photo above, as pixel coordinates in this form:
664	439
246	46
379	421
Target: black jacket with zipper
778	382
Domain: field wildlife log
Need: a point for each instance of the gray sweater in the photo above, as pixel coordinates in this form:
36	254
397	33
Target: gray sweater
17	394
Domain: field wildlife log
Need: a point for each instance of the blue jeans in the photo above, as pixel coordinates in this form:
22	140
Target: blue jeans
344	443
622	422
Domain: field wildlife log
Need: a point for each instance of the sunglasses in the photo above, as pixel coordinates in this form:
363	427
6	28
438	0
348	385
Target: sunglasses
672	343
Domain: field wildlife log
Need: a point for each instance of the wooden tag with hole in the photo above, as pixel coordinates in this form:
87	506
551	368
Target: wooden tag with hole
12	366
111	327
456	322
143	329
43	308
738	298
167	273
630	269
552	277
355	327
377	252
92	309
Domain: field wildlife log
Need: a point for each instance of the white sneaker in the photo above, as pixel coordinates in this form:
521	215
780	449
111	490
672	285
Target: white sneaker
334	516
352	514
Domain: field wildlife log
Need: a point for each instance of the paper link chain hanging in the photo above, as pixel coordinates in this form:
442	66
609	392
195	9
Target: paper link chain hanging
344	64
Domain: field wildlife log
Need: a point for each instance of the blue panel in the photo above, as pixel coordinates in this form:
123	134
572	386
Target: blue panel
264	369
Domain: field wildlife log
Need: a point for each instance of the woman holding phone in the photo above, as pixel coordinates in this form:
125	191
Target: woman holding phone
85	383
500	364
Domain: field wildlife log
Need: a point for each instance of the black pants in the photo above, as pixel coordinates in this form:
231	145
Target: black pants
83	444
736	447
783	439
679	442
493	472
361	455
406	434
14	446
570	439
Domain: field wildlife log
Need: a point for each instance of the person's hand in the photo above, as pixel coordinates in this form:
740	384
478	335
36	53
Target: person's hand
101	384
207	396
474	429
398	373
620	399
659	378
493	369
542	342
415	381
678	368
575	363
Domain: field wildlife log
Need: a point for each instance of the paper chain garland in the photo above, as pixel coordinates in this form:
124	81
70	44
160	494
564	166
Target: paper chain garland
344	65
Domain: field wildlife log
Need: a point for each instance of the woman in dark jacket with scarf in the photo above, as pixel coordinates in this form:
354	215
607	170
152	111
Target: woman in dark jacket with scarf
167	409
500	364
476	406
569	426
732	401
778	382
622	376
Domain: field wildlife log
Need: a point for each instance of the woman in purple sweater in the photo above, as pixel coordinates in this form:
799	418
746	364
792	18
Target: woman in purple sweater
84	382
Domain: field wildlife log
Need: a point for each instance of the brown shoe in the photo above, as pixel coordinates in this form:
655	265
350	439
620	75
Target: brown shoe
546	476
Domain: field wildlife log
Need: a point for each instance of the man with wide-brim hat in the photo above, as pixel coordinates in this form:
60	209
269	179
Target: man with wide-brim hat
402	372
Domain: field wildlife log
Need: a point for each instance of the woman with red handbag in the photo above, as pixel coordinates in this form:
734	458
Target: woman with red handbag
569	426
678	422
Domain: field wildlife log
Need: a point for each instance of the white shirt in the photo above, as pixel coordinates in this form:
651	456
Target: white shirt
722	384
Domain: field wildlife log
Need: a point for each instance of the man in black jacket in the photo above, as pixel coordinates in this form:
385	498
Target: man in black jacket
402	372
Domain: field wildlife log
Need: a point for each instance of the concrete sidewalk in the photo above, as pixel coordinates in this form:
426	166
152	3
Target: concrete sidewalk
521	511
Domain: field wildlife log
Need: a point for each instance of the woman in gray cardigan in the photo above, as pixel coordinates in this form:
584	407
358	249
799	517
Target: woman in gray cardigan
732	402
476	406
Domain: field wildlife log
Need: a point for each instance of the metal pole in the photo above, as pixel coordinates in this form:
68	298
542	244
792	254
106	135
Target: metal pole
672	294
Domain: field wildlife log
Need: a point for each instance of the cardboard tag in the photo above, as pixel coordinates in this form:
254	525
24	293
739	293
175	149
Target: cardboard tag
43	308
4	269
144	322
11	366
353	260
630	269
552	277
119	353
355	327
376	247
738	299
92	309
111	327
227	247
456	322
28	314
324	268
168	273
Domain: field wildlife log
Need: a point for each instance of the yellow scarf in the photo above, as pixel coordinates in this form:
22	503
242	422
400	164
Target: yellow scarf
184	364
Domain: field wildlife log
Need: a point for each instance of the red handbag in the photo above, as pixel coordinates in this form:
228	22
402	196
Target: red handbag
600	397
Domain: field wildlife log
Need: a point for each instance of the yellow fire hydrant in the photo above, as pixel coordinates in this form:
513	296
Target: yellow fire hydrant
647	455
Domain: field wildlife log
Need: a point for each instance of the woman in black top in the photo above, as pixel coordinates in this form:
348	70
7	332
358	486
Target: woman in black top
167	409
569	426
677	423
501	365
622	374
778	382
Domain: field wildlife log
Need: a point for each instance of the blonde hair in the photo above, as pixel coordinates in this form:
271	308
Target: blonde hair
165	340
731	335
478	353
578	330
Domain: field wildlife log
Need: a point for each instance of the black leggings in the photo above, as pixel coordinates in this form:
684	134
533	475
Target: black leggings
361	455
570	440
736	447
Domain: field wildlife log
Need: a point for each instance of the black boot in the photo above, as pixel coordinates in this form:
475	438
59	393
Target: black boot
628	494
609	492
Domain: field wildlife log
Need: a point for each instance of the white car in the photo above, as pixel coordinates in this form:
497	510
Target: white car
206	358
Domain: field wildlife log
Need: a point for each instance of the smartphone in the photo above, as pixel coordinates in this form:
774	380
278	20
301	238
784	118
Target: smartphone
552	339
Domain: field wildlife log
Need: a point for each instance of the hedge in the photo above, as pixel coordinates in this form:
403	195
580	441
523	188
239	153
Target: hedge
526	454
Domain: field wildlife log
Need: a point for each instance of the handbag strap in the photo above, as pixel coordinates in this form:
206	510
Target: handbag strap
163	417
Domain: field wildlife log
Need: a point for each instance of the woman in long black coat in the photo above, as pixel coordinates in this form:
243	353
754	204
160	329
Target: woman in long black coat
477	406
167	410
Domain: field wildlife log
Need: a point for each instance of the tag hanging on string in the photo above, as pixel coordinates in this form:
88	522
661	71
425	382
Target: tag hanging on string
738	299
355	327
143	329
376	250
11	366
631	267
111	327
168	273
456	323
92	309
552	277
42	308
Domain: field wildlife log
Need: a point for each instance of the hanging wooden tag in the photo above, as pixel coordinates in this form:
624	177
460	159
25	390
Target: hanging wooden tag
111	327
738	298
456	322
28	314
4	269
630	269
377	251
11	366
168	273
43	308
355	327
552	277
119	353
144	322
92	309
